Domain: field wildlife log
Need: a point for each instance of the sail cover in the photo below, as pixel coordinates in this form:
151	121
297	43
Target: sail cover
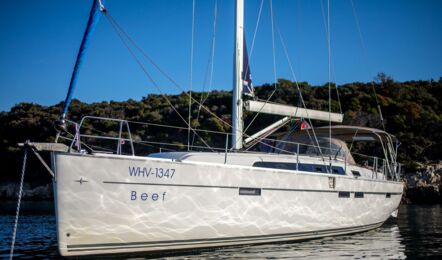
246	76
94	17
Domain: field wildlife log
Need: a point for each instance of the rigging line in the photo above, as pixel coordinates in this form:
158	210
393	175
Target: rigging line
156	86
249	62
176	127
252	47
152	143
274	69
90	127
152	80
147	143
116	26
332	63
292	129
144	143
89	146
180	128
329	76
166	126
156	147
212	53
191	73
105	133
163	72
377	103
364	50
356	132
337	94
288	61
82	143
207	131
273	41
210	65
284	47
299	90
266	135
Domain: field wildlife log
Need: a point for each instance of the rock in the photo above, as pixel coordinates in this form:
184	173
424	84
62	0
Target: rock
424	186
9	191
40	193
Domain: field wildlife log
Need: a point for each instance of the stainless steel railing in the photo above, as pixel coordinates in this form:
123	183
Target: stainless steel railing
123	136
119	139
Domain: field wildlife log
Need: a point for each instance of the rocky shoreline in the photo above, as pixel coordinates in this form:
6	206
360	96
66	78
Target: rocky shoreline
424	186
9	191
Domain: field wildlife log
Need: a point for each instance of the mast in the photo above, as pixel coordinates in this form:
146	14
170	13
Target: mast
237	102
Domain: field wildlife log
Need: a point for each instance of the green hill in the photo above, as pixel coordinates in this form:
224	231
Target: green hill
412	111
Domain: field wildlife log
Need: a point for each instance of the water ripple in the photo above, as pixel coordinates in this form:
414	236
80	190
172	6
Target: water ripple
417	233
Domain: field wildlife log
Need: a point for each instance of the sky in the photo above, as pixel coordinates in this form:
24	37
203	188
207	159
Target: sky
39	41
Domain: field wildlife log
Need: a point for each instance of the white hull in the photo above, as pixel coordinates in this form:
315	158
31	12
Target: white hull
102	209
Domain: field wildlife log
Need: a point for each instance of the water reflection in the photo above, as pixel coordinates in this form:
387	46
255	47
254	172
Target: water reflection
421	228
382	243
417	233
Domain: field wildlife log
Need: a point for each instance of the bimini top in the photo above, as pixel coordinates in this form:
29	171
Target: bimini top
351	133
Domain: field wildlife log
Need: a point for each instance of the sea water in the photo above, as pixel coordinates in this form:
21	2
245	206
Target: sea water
416	233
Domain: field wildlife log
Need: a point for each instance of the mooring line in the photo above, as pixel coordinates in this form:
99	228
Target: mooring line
17	212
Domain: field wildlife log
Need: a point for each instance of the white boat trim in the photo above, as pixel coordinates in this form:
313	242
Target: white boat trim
213	242
231	166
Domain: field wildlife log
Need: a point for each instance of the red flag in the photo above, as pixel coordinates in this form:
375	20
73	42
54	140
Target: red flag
305	125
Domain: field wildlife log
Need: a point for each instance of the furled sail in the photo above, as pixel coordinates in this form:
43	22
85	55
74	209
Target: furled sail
94	17
246	76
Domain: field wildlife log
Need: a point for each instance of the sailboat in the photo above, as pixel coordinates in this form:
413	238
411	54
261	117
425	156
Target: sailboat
308	186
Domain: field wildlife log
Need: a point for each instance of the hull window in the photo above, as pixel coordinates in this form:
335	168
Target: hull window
250	191
359	194
344	194
306	167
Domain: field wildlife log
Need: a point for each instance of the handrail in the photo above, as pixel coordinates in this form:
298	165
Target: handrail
389	170
120	139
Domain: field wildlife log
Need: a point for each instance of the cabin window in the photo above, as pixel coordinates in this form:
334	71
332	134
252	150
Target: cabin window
359	194
250	191
344	194
356	173
305	167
